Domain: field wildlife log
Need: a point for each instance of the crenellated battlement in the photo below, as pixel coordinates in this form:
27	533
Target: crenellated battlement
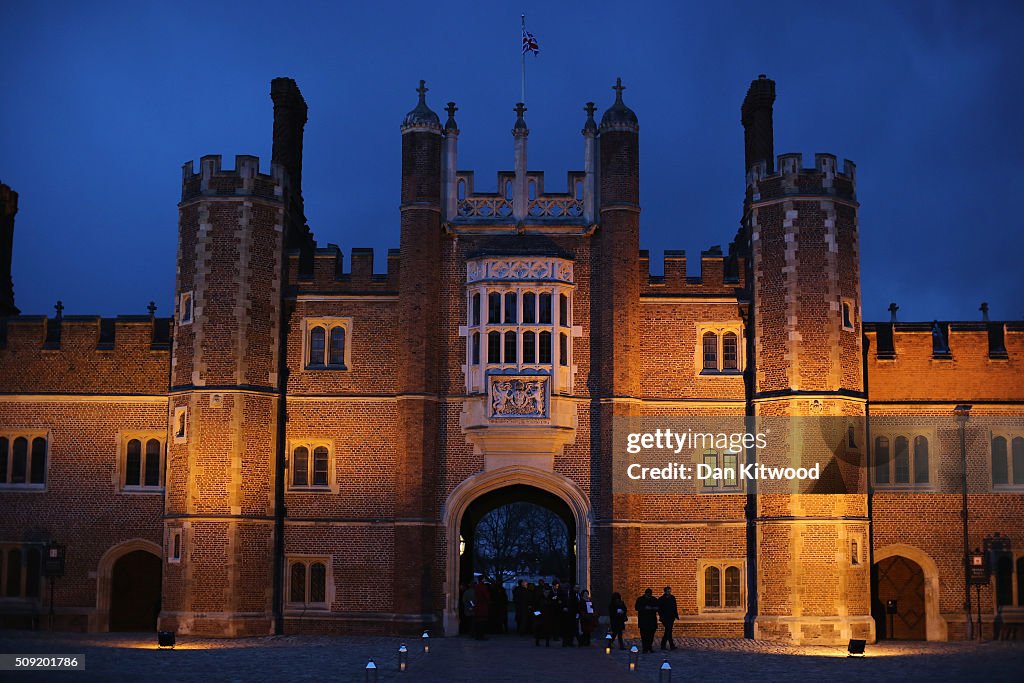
244	180
792	179
330	276
946	340
85	354
85	332
720	274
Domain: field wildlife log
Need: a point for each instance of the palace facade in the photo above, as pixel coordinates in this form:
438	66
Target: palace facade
305	445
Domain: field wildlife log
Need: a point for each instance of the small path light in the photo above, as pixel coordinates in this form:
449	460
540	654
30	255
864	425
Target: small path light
165	639
856	647
665	673
426	642
634	658
403	657
608	644
371	671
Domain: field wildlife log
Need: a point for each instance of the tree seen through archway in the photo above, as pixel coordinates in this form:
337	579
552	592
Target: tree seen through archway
521	540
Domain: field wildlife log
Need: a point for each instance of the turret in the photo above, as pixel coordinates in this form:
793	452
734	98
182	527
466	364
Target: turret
8	208
801	225
417	591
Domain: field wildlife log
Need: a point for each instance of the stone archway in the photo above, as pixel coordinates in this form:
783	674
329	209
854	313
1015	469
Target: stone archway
148	561
934	625
471	489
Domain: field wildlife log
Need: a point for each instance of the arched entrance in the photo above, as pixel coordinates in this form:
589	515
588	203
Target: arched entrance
514	531
477	497
135	592
128	587
910	577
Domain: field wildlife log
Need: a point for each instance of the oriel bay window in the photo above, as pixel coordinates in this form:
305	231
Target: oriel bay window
519	320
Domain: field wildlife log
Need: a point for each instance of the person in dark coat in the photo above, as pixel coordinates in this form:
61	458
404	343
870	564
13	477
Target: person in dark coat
567	615
542	617
668	613
520	598
617	618
647	619
588	616
482	609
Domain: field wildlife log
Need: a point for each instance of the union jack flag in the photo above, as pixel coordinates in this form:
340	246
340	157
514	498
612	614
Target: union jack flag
530	43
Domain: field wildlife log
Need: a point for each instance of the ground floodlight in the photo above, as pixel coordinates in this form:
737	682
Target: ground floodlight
856	647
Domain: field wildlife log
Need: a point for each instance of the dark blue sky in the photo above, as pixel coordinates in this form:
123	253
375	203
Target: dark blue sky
102	103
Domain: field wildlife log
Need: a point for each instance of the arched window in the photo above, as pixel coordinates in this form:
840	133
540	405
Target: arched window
317	341
1018	460
33	566
710	351
133	463
1000	465
563	310
300	466
494	307
298	583
337	355
730	351
153	449
545	308
529	308
545	347
854	553
317	582
732	587
712	587
901	461
18	461
37	473
14	573
847	316
320	461
494	347
475	351
475	315
510	308
882	460
529	347
510	347
921	472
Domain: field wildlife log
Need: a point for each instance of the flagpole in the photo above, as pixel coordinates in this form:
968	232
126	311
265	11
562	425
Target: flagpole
522	93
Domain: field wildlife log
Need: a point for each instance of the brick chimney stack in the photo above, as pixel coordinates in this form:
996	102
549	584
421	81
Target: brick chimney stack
290	115
756	115
8	207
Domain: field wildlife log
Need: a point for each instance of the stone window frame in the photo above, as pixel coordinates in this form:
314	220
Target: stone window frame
294	608
179	427
1009	435
21	593
847	322
911	435
720	329
175	534
30	435
186	308
722	565
311	444
720	488
329	323
121	470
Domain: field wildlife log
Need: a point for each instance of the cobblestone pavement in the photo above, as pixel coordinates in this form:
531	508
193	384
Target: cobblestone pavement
134	657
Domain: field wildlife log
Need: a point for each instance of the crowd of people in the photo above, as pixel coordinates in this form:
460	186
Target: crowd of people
563	613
